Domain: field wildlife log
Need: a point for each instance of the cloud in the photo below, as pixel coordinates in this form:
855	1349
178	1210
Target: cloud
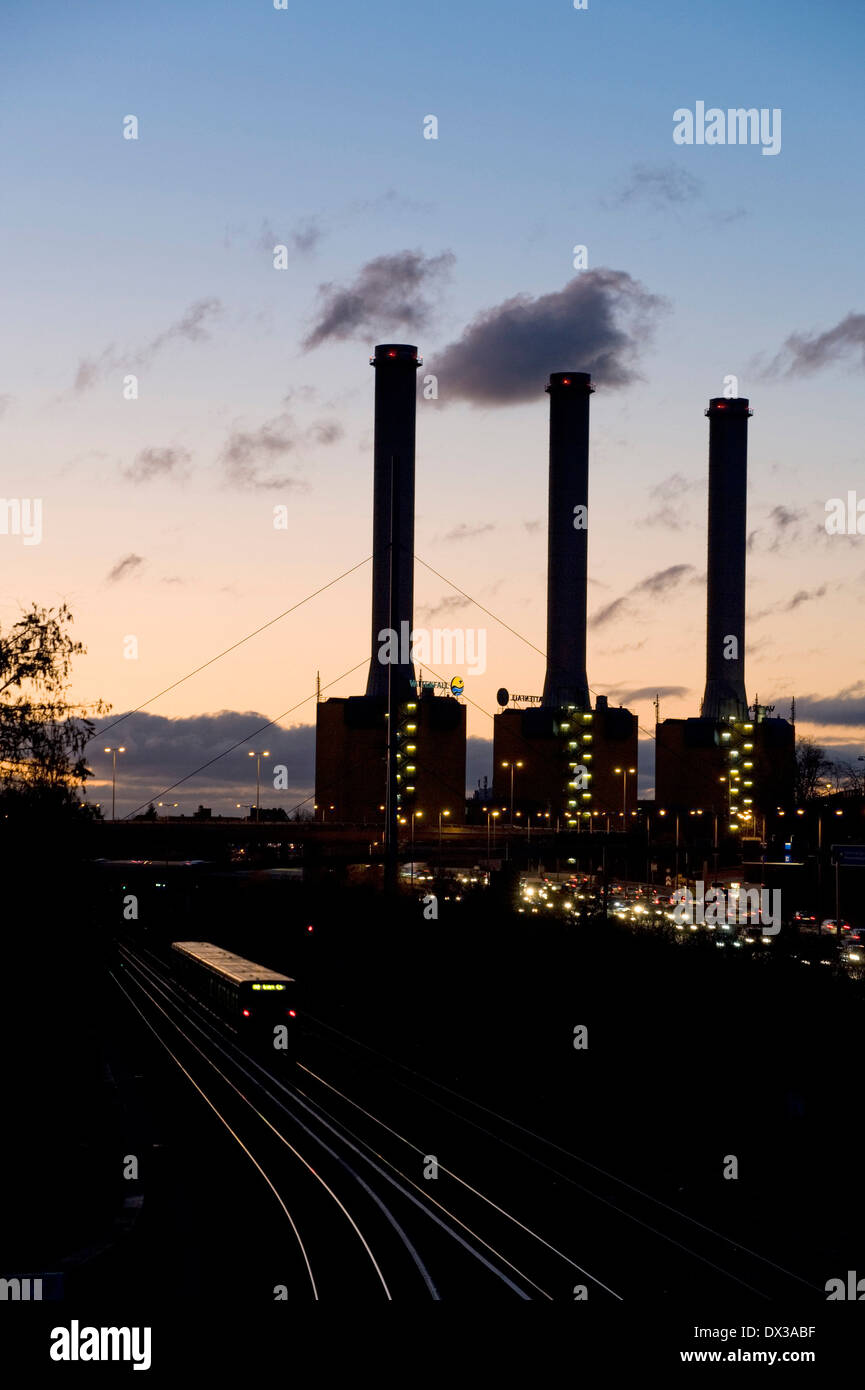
781	526
659	185
804	596
648	692
6	403
847	707
463	532
789	605
598	323
192	326
531	526
656	585
387	294
247	452
808	352
160	751
124	567
606	614
325	432
451	603
154	463
669	495
479	761
302	239
91	370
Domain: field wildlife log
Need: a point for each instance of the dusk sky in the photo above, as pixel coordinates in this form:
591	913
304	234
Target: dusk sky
304	127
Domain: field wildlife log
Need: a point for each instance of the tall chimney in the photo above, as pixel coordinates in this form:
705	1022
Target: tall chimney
725	696
395	410
566	682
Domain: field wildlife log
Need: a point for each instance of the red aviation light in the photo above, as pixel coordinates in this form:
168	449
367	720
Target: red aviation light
246	1013
292	1013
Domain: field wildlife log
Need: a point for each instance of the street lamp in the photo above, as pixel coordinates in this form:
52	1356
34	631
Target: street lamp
513	767
440	815
258	757
624	772
114	752
414	815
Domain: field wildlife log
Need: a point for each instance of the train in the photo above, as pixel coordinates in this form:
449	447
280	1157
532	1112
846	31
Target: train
258	1000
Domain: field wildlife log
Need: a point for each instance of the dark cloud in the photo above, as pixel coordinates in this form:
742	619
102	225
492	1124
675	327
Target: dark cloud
90	370
325	432
659	185
192	326
847	707
160	751
648	692
249	451
808	352
669	495
451	603
608	612
789	605
598	323
463	532
656	585
782	525
804	596
663	580
250	456
389	294
302	239
158	463
479	761
125	567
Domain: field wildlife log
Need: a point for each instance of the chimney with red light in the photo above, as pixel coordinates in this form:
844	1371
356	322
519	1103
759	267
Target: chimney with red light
567	545
395	410
725	696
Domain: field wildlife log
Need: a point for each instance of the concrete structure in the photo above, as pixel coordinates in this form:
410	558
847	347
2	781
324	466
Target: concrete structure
351	733
732	762
725	696
569	752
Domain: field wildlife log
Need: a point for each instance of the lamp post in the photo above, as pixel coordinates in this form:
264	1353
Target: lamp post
513	767
414	815
114	752
258	757
624	772
440	815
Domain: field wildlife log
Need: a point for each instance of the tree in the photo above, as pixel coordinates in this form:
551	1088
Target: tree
42	735
812	767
